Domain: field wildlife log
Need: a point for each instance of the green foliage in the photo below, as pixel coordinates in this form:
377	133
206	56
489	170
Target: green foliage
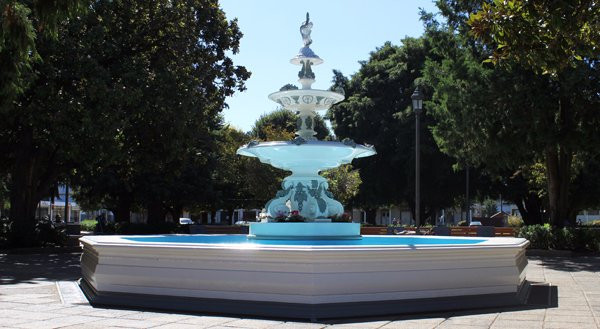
548	36
167	71
22	23
377	110
489	207
46	234
515	221
565	238
344	183
89	225
539	236
343	218
511	118
284	120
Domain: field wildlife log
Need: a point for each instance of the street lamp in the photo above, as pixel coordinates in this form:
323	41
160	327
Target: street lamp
417	103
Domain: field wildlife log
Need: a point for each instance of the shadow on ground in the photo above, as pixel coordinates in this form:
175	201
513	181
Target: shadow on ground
588	263
27	268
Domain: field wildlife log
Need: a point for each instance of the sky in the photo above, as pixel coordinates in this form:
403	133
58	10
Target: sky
344	32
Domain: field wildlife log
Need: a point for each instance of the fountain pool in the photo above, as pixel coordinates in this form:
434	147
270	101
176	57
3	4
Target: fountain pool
311	279
316	268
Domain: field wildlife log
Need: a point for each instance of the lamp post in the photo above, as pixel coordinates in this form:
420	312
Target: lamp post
417	103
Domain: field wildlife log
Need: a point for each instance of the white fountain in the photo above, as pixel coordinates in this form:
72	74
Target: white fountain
311	270
305	192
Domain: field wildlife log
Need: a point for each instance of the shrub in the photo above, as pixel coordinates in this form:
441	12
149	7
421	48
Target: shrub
89	225
539	236
47	234
566	238
515	221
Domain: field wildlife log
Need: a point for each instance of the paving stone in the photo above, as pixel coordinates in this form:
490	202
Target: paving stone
176	326
31	316
156	317
207	321
519	316
416	324
561	312
11	321
110	313
570	318
253	323
446	325
568	325
9	305
517	324
472	320
122	323
58	322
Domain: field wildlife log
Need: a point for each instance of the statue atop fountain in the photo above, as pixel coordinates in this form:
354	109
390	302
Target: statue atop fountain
305	193
305	30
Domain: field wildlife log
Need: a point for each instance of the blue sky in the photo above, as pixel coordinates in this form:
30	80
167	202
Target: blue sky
344	32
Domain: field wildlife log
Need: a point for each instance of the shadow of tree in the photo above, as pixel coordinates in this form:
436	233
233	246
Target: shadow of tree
27	268
571	264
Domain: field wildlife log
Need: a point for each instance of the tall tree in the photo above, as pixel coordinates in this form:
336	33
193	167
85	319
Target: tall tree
537	105
124	104
168	67
377	111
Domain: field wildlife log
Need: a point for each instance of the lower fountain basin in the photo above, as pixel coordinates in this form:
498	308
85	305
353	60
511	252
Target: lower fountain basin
375	275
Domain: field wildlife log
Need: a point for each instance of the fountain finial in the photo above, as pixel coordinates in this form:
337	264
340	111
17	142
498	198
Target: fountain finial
305	30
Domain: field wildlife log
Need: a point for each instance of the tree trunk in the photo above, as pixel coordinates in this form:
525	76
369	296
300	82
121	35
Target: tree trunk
371	216
156	212
558	175
123	211
530	208
30	181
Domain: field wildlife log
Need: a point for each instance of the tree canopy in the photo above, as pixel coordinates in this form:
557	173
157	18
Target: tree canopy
377	111
126	106
513	116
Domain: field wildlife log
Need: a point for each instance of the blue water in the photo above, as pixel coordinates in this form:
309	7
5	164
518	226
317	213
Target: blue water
365	241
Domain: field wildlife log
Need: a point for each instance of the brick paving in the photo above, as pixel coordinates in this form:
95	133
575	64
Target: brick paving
39	291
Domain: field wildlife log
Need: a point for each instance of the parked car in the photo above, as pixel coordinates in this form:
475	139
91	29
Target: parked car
185	221
475	223
242	223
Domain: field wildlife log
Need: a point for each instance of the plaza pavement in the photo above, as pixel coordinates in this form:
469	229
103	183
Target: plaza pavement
39	291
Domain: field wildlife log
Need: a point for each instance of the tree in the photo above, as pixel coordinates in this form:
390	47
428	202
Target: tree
344	183
286	120
125	105
21	24
377	111
513	114
170	67
547	36
489	207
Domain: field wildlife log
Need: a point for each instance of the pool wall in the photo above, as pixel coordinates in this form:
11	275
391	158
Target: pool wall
304	281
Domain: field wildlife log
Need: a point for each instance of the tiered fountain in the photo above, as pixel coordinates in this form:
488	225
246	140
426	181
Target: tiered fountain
315	269
305	192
